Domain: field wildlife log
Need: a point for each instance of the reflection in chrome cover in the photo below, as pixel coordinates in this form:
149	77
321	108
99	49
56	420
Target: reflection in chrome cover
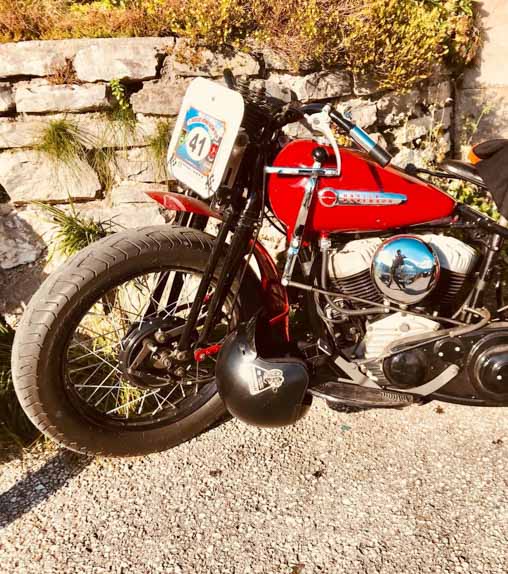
405	269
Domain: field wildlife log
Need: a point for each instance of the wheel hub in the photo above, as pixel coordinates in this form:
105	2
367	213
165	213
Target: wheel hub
146	352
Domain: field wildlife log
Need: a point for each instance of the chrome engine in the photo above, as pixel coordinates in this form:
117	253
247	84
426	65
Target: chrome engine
383	332
428	270
406	269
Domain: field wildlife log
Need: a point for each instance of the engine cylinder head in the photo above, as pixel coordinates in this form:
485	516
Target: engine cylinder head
350	269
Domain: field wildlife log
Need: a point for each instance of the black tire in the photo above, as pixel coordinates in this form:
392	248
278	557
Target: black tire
43	333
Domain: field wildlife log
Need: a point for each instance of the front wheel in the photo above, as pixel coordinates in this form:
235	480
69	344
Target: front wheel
92	355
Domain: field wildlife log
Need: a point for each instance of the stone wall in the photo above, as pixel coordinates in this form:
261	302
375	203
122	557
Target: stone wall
482	95
44	81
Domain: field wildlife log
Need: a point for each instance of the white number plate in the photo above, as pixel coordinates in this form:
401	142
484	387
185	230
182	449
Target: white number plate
202	141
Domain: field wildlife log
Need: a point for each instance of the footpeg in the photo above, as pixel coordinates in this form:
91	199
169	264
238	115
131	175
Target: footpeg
357	396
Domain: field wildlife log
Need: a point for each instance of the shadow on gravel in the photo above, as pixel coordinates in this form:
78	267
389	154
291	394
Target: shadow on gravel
38	486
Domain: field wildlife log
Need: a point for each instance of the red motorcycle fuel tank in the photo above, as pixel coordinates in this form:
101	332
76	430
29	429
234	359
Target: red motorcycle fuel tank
369	205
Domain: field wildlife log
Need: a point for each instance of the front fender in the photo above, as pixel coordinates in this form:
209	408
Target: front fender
275	296
178	202
276	302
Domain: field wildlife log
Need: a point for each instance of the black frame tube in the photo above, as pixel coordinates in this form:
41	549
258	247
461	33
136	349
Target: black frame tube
485	273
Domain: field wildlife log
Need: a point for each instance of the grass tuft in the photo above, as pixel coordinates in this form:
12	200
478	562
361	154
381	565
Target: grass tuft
15	428
62	140
74	231
103	162
158	145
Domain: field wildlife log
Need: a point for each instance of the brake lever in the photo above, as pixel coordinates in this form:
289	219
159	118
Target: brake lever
321	122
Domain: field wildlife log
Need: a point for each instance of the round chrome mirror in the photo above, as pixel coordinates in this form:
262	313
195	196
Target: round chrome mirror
405	269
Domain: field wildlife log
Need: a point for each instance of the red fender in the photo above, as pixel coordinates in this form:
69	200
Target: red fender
178	202
275	294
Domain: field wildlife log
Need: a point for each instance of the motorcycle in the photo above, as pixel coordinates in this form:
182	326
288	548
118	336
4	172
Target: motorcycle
390	295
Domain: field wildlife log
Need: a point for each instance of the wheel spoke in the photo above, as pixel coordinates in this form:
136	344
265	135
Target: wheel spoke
153	393
96	333
95	387
142	403
100	386
91	365
94	351
101	358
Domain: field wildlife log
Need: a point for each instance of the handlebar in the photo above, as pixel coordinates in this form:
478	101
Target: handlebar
362	138
356	133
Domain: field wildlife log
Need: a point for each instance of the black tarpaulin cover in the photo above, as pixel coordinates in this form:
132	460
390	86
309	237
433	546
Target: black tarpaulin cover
493	168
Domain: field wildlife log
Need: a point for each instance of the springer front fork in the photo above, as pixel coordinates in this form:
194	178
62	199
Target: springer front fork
242	222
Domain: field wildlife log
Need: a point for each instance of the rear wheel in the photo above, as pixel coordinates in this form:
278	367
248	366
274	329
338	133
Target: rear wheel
92	359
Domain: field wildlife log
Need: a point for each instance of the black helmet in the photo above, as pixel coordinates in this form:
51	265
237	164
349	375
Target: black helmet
261	392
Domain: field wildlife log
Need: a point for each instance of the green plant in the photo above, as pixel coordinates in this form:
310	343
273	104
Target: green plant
122	109
462	31
463	191
28	19
105	19
474	197
309	32
74	231
62	140
396	41
436	143
470	125
212	22
15	428
158	144
118	91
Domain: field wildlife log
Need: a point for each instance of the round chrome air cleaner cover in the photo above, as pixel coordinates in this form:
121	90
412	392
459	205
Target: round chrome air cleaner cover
405	269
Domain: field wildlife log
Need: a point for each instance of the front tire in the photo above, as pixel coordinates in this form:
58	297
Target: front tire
53	322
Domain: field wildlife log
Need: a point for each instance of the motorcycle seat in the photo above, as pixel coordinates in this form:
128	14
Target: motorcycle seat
463	170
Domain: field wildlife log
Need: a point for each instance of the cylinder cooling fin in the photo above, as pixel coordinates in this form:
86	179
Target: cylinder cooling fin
458	260
349	269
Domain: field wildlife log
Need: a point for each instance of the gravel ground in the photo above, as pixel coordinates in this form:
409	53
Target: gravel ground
419	490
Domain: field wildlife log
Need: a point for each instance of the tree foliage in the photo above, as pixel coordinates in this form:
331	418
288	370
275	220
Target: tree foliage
397	42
